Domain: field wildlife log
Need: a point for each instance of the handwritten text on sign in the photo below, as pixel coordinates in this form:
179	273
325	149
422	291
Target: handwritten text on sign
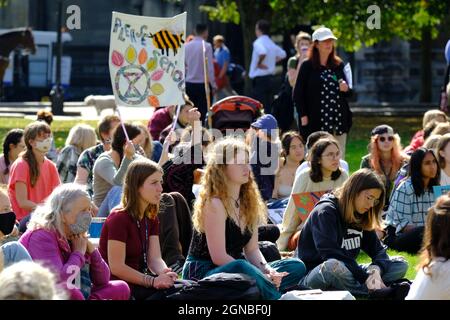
146	60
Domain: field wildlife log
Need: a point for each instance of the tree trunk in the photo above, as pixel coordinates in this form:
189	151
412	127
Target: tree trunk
425	65
247	37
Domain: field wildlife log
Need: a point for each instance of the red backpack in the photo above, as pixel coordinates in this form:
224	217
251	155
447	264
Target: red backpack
235	112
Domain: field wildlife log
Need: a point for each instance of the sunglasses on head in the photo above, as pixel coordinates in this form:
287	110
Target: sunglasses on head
383	139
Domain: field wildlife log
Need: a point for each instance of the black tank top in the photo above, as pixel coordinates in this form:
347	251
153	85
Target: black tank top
235	242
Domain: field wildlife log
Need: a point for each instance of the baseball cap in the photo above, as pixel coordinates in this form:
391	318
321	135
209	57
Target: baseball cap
382	129
322	34
266	122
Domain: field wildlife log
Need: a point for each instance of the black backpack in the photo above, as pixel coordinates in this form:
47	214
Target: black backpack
220	286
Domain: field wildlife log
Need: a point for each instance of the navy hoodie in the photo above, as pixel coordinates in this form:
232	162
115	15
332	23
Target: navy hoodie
326	235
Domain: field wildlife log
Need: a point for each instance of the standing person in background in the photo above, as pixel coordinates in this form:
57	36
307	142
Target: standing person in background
302	44
222	58
47	116
195	77
321	90
262	67
13	145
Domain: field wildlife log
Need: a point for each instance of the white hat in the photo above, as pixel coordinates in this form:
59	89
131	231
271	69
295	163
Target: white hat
322	34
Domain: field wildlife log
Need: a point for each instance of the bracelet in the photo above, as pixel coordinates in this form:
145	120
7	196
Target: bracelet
144	280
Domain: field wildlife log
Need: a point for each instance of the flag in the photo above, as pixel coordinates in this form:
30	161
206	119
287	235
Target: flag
146	60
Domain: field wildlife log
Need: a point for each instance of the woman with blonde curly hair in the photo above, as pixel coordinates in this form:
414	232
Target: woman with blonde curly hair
385	156
226	217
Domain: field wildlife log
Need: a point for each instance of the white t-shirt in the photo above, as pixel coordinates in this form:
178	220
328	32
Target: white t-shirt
265	45
305	165
436	287
445	179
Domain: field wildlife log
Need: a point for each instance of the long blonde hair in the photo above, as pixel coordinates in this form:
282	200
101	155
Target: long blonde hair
214	185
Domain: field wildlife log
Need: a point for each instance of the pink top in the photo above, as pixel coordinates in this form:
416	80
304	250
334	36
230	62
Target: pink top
47	181
55	253
3	177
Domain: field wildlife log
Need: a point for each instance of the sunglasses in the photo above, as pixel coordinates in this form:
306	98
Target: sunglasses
383	139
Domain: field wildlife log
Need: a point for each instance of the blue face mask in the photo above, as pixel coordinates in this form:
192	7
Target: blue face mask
82	223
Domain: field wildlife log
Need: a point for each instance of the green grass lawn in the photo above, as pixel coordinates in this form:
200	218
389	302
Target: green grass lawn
356	148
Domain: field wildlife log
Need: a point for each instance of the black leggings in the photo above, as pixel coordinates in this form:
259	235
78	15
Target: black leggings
410	241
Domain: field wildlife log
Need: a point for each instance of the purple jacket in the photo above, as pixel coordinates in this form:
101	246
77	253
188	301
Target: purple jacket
55	253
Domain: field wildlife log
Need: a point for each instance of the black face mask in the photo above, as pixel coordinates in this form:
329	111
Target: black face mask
7	221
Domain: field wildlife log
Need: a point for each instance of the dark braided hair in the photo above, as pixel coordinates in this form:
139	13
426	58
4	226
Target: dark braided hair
12	137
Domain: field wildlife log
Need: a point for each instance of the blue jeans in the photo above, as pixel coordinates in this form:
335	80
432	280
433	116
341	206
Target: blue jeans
14	252
334	275
195	269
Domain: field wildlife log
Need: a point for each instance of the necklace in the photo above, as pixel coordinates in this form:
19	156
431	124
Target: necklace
236	202
237	214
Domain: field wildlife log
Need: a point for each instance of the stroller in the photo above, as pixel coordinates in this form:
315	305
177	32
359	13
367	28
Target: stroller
235	112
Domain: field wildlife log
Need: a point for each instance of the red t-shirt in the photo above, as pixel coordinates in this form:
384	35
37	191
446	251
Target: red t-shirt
122	227
47	180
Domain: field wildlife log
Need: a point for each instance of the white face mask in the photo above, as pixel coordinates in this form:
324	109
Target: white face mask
45	145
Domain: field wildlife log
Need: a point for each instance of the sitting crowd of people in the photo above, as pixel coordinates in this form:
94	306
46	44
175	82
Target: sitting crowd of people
187	206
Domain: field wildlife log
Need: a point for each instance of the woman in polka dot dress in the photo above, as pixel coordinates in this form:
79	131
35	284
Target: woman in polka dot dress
321	90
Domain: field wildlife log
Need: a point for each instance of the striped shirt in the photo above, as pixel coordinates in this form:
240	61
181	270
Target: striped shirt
408	208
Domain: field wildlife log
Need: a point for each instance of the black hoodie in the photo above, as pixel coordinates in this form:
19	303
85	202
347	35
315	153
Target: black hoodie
325	235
